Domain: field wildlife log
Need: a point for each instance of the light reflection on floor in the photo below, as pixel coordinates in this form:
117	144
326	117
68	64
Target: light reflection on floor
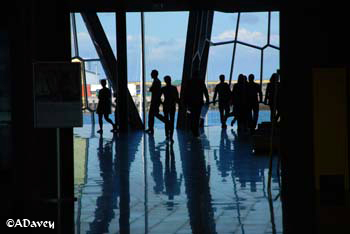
141	184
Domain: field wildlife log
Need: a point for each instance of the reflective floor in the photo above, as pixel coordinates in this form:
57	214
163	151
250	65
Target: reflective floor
139	183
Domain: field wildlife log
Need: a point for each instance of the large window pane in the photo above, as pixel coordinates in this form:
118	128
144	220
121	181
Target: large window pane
108	23
224	26
247	61
165	43
275	29
271	62
253	28
86	46
133	24
219	61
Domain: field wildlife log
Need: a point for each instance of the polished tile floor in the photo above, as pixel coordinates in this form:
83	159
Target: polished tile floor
138	183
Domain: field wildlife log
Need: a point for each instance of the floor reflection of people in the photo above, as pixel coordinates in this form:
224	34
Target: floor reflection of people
172	183
196	178
107	201
157	172
247	167
125	154
115	182
224	162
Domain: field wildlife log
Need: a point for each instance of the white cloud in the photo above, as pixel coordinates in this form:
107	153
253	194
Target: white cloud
244	35
224	36
275	39
83	37
131	38
164	50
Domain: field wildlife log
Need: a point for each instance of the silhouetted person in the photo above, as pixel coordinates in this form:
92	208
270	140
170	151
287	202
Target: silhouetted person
223	89
171	97
272	96
253	91
104	106
155	102
195	89
240	103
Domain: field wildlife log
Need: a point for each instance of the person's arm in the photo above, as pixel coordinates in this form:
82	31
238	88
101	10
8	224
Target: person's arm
109	95
206	94
215	93
185	94
177	96
151	88
267	93
161	94
233	92
260	93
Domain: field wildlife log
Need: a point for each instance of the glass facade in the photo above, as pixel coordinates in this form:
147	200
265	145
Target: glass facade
254	40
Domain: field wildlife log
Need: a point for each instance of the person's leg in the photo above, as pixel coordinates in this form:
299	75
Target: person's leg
151	118
158	115
278	115
222	116
166	123
109	120
226	112
100	123
271	112
229	114
195	119
255	115
249	115
171	123
239	118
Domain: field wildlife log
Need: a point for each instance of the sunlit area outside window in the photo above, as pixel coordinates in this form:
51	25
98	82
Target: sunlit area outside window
83	49
165	48
134	51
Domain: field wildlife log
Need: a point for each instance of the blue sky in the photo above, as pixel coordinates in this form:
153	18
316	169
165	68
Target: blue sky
165	34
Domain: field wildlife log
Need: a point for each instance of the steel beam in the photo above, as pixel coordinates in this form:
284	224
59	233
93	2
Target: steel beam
174	5
109	62
122	68
196	53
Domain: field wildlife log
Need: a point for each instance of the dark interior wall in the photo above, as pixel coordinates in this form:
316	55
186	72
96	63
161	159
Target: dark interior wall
40	31
312	35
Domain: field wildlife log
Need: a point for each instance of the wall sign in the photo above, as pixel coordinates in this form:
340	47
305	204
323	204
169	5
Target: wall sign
57	95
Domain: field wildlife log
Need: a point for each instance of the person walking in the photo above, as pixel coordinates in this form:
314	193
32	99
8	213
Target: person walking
239	98
194	91
254	97
104	106
171	97
272	98
155	89
223	89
